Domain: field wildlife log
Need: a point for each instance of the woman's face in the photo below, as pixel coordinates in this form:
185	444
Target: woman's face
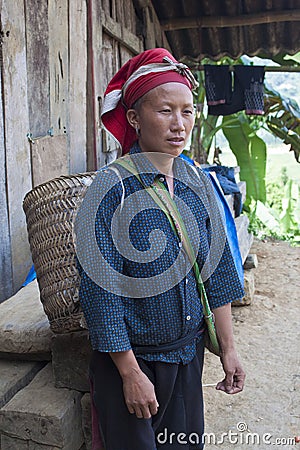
165	118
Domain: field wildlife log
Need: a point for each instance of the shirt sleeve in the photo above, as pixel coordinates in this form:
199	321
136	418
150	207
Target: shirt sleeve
102	307
224	285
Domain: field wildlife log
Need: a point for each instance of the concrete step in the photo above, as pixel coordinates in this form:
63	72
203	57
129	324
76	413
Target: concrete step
71	353
42	417
14	376
24	328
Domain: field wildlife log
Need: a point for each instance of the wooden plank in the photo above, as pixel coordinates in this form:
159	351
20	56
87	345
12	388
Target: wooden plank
181	23
16	127
5	254
59	64
95	87
125	54
49	158
121	9
108	66
77	106
150	40
106	5
110	63
154	34
130	18
37	47
90	107
121	34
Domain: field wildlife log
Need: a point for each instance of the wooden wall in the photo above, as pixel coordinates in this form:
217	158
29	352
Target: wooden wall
56	58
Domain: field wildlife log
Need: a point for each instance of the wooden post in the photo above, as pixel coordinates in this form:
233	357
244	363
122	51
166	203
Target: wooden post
37	47
49	156
92	48
76	128
59	64
16	126
5	254
150	41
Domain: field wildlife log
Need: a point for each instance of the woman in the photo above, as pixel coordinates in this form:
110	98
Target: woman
142	307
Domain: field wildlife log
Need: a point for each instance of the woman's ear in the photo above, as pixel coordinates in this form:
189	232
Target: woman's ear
133	118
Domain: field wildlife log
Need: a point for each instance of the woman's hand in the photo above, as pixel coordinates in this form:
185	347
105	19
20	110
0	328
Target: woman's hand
234	374
139	394
138	390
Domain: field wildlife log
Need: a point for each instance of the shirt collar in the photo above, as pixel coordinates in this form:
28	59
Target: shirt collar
148	172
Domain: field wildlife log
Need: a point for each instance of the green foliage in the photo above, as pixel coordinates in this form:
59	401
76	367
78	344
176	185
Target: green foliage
250	152
205	126
280	215
273	209
283	119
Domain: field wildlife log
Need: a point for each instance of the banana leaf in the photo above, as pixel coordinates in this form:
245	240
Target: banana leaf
250	152
283	119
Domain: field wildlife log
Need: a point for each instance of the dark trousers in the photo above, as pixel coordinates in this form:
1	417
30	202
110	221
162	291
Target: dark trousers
179	423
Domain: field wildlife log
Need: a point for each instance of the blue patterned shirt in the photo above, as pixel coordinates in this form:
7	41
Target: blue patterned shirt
155	299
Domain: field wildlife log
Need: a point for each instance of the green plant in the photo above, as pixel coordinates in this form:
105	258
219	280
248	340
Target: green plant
250	152
281	119
279	217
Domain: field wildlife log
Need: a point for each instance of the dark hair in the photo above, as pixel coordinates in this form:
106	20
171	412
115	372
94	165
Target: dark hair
137	104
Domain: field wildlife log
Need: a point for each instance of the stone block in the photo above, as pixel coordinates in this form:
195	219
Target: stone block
243	188
44	415
245	238
11	443
87	424
24	328
251	261
249	287
14	376
71	354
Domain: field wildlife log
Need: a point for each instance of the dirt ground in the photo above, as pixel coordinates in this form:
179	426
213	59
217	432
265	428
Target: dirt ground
267	333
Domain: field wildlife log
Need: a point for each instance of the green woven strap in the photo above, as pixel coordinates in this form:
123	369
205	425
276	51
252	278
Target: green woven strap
163	199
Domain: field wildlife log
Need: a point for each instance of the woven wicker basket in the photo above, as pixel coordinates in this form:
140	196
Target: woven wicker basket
50	209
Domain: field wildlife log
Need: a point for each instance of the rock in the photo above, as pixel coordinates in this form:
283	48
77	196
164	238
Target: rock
71	354
249	289
24	328
230	201
245	238
44	415
87	424
14	376
251	261
10	443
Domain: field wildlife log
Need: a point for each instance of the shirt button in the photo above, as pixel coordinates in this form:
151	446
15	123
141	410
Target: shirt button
186	281
161	179
180	244
188	317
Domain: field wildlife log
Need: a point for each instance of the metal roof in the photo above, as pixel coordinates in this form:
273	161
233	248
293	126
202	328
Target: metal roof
215	28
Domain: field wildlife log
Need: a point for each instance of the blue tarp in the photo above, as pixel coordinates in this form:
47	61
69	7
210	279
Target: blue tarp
30	277
230	225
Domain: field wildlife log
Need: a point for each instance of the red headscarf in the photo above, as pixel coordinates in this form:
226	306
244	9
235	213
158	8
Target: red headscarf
137	77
